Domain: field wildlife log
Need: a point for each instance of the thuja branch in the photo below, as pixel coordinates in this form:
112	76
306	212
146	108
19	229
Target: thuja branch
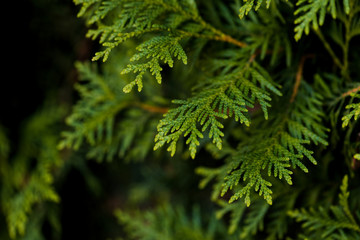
216	33
151	108
351	91
217	36
229	39
299	74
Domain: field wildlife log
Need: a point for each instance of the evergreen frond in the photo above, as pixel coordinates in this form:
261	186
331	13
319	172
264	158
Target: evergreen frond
268	36
330	223
167	222
131	143
162	48
223	97
254	221
282	147
260	217
94	119
309	11
249	5
311	14
169	20
25	186
93	116
354	111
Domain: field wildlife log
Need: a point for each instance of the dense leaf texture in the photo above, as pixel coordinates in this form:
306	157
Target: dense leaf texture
223	97
283	148
334	224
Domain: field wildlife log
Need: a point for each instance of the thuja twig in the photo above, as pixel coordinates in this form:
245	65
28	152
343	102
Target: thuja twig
151	108
299	74
348	93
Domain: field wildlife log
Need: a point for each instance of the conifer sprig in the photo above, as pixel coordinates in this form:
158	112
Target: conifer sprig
311	14
276	152
161	48
227	96
354	110
167	21
23	187
178	224
249	5
94	118
321	223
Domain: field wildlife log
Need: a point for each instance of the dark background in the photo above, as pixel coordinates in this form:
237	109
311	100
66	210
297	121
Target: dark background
42	40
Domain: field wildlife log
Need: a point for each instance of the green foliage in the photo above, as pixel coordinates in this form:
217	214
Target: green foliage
271	123
312	13
169	223
354	111
159	48
248	5
93	120
281	149
24	186
333	224
309	11
93	117
268	33
235	86
220	98
167	22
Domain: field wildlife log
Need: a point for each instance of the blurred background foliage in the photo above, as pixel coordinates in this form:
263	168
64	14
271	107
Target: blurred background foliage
81	195
35	99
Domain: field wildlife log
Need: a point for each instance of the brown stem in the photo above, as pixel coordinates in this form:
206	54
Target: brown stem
348	93
229	39
252	57
299	74
218	36
151	108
